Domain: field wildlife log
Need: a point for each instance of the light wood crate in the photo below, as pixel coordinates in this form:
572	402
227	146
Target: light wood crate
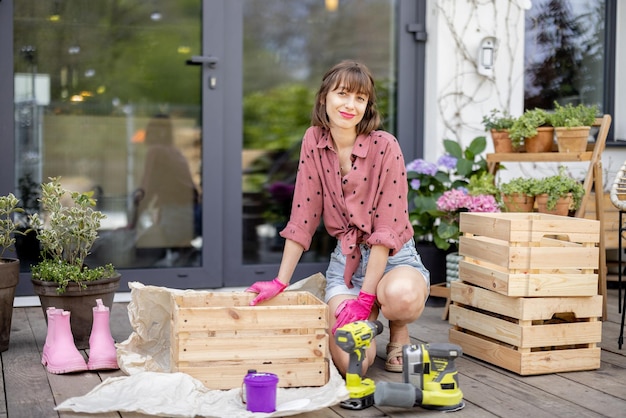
217	337
530	254
528	336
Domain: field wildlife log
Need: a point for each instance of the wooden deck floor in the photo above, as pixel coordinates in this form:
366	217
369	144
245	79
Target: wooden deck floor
28	391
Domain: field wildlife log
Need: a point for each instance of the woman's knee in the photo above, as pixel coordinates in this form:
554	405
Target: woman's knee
403	289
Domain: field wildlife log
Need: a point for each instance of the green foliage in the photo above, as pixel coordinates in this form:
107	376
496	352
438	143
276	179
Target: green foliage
482	183
526	125
67	236
557	186
498	120
521	185
570	116
8	227
429	181
276	119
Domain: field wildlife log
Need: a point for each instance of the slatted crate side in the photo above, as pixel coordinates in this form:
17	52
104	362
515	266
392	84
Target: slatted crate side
251	318
219	343
546	254
526	363
559	282
269	347
198	299
527	335
228	375
523	308
529	227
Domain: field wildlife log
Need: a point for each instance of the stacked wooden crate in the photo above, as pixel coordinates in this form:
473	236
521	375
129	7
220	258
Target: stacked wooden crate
527	299
217	337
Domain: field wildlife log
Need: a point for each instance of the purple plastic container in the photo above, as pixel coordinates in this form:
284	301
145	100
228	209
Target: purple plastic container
260	392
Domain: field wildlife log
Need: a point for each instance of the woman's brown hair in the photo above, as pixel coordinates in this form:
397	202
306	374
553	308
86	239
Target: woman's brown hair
355	77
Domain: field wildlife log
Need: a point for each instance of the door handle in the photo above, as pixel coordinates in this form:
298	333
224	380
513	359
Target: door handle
209	61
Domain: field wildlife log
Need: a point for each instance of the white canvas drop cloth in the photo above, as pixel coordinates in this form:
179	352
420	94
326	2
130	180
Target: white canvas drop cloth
151	389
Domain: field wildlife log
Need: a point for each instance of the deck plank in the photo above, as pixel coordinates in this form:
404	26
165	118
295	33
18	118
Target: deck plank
489	391
27	390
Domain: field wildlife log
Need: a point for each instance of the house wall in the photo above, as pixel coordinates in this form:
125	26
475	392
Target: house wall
457	96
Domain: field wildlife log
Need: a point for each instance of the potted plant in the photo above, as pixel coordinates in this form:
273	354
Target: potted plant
571	126
533	129
9	267
498	123
558	194
61	279
517	194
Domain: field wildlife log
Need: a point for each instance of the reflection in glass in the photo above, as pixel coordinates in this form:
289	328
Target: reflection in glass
564	54
287	47
90	76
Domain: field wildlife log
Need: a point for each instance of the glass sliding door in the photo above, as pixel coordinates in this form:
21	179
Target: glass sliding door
185	119
107	98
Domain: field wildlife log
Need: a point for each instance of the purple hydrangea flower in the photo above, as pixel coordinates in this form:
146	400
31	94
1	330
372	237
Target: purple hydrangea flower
447	161
415	184
422	166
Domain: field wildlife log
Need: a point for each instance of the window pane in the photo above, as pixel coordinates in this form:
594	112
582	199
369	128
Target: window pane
288	45
90	78
565	53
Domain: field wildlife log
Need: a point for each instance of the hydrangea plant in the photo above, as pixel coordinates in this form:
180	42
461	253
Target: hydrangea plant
458	168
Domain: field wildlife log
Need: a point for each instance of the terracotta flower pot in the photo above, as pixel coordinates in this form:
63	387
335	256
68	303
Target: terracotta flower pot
542	142
561	208
572	139
501	141
517	202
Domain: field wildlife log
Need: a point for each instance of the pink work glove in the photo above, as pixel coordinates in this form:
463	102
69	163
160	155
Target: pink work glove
358	309
266	290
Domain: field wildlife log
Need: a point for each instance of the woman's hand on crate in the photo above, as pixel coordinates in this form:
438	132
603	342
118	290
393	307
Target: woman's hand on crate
266	290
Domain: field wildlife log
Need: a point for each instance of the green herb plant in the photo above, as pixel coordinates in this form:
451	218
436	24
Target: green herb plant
8	228
66	237
570	116
557	186
526	125
498	120
519	185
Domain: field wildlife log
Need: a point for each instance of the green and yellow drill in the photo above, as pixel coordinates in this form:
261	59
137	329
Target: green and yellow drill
354	338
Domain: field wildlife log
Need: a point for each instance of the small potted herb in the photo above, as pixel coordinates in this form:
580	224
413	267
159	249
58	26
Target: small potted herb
61	279
498	123
517	195
572	125
558	194
533	129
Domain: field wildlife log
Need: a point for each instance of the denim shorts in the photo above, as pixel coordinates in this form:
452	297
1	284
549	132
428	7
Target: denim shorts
335	285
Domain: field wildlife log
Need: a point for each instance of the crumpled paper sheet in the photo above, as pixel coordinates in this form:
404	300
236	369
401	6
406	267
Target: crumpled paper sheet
151	389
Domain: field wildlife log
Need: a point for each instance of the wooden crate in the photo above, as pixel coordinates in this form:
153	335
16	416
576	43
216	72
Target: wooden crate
528	336
530	254
217	337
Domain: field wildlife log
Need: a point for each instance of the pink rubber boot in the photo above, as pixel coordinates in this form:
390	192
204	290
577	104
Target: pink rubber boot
50	335
60	355
102	353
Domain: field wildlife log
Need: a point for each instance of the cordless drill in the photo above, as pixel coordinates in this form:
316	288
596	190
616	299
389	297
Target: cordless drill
430	379
354	338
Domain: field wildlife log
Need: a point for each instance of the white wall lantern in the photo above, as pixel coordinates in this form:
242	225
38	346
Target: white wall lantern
486	56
